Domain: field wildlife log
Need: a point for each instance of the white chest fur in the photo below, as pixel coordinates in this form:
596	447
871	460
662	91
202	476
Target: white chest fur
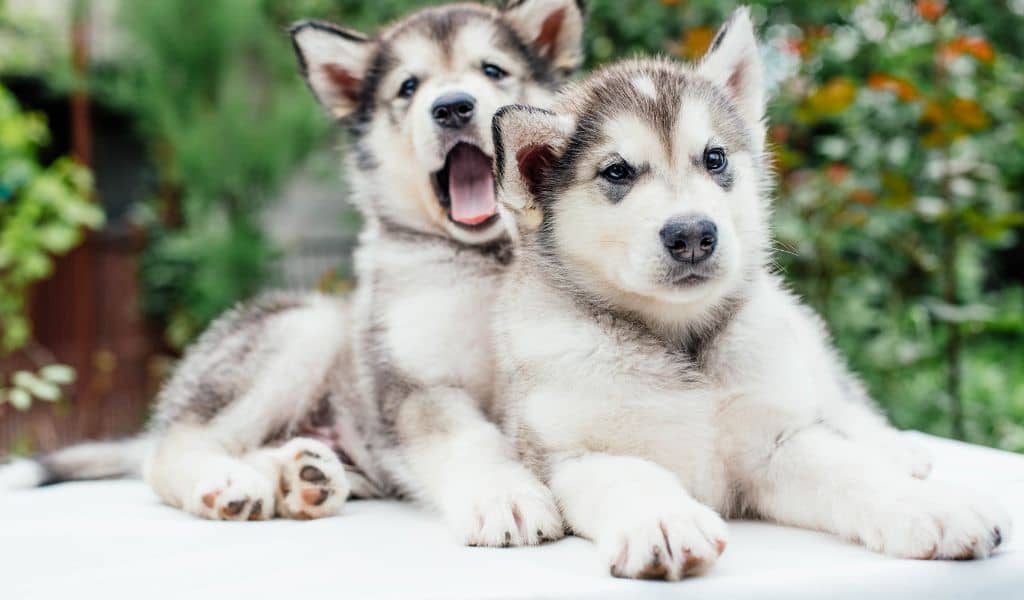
439	334
591	389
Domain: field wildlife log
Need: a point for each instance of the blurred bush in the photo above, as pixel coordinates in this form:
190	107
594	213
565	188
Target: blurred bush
43	210
897	146
215	92
896	128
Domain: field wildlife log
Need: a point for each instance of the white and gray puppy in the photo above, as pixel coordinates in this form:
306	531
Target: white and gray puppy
653	370
398	381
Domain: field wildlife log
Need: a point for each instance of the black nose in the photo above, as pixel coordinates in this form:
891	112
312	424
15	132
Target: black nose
453	110
689	240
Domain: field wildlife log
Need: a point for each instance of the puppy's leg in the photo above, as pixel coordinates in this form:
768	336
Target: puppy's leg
901	451
211	470
816	479
857	418
310	481
464	466
192	470
643	521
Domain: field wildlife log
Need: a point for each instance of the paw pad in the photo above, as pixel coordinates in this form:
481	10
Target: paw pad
312	482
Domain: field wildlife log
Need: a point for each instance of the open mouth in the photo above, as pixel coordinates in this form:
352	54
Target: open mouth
465	187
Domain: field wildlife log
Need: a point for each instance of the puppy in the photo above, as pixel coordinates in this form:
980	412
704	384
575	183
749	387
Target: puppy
653	370
289	404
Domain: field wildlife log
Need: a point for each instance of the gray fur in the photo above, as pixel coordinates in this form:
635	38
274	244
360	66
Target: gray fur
656	395
391	401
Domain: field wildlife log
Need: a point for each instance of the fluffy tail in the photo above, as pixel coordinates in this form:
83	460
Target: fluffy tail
92	460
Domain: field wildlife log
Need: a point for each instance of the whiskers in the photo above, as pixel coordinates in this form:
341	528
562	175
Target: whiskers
778	246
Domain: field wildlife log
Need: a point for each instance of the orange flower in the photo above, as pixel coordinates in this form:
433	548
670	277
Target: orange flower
834	97
930	10
837	173
801	46
968	113
977	47
863	196
696	42
981	49
671	2
903	89
933	113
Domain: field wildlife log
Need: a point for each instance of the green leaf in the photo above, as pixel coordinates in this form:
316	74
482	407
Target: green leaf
58	373
23	378
44	390
58	238
19	399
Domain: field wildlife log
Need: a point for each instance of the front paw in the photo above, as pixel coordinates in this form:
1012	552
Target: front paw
311	482
930	520
230	490
512	508
671	544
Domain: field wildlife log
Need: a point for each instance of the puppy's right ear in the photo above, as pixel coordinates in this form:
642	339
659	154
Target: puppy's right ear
334	61
552	28
527	143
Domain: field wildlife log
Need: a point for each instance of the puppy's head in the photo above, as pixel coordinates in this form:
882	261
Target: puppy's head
644	185
419	98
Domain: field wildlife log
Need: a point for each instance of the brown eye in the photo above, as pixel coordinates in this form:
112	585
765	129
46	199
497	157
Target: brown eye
714	160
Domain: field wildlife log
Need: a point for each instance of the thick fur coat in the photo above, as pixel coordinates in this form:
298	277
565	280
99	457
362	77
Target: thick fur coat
288	405
653	370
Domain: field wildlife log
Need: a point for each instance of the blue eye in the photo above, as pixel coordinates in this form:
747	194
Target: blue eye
408	87
618	172
494	72
714	160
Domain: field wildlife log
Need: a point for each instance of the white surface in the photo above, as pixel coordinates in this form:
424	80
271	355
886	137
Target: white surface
114	540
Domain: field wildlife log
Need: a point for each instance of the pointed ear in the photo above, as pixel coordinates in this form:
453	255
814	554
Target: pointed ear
553	28
527	142
733	62
334	61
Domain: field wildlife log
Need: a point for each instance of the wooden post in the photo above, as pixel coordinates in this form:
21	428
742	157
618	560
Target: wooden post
83	307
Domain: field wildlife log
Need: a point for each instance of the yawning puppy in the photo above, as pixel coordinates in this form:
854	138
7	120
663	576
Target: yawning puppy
289	402
653	370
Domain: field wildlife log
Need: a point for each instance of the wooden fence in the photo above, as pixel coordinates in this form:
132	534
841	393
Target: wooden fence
87	315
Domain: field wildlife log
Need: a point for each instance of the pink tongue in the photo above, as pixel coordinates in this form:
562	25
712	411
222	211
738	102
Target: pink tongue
470	185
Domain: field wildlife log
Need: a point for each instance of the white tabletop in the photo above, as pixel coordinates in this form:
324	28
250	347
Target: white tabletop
114	540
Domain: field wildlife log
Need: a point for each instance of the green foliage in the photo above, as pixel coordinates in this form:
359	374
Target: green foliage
900	184
26	46
45	385
43	210
215	91
220	264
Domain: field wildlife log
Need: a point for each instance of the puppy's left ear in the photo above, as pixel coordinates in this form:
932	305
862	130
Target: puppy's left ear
733	62
553	28
527	143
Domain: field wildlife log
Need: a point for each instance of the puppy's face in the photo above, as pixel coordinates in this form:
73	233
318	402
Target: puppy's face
650	195
420	98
